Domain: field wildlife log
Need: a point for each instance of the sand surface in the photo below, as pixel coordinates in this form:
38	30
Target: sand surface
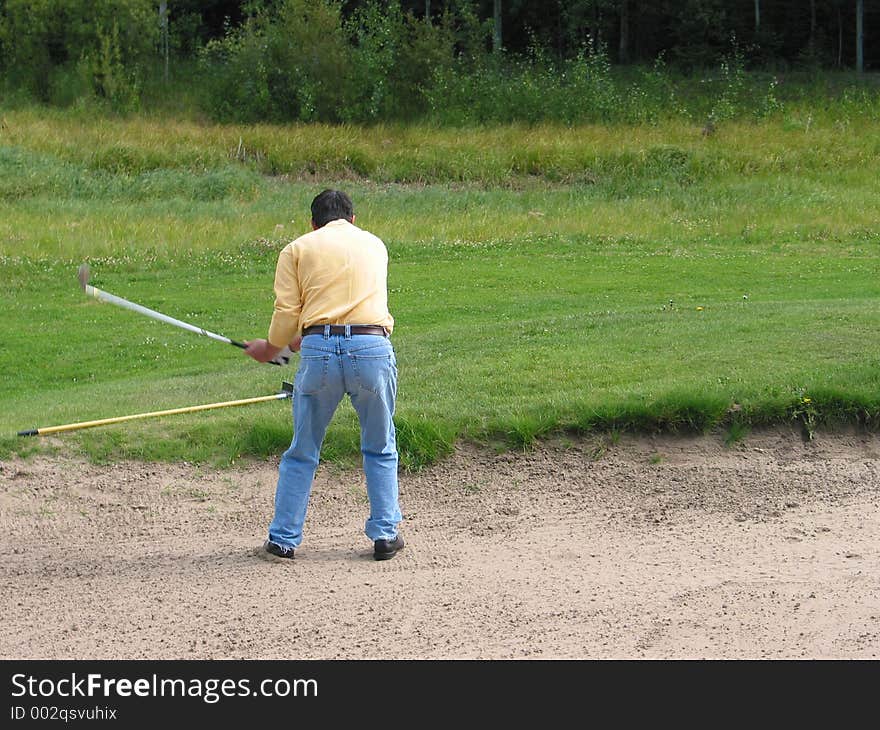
667	547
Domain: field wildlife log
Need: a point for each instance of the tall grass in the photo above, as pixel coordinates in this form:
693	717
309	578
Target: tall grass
808	139
70	189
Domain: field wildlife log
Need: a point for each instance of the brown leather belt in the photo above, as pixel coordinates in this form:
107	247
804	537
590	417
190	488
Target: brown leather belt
339	329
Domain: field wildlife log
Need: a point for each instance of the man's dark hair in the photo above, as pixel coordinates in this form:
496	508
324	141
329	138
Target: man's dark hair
331	205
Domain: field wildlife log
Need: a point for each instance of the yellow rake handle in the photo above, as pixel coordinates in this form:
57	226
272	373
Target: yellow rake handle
170	412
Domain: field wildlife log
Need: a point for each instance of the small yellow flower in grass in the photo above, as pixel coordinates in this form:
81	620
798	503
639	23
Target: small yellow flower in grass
807	400
699	309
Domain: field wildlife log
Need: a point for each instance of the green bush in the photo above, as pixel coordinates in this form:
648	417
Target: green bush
288	64
235	76
300	62
425	49
593	89
315	61
532	89
377	33
102	42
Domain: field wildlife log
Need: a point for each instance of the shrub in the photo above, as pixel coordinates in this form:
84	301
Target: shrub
292	63
592	85
99	38
236	80
377	34
429	48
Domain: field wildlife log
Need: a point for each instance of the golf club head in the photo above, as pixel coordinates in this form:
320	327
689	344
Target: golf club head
83	275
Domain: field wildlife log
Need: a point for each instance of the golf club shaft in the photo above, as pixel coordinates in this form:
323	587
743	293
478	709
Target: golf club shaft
125	304
170	412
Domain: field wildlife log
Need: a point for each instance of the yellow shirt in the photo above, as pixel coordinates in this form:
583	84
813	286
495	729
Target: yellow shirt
337	274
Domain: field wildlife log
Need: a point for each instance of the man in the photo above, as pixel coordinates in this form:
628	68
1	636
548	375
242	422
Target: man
331	305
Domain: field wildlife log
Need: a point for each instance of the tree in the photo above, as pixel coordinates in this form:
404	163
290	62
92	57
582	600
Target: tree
860	35
163	24
623	47
812	27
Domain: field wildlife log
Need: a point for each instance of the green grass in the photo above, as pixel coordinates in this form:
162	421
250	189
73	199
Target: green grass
529	300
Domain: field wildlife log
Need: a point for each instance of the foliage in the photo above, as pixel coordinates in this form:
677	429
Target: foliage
299	60
377	33
373	61
394	58
286	63
806	413
732	84
110	79
107	41
425	49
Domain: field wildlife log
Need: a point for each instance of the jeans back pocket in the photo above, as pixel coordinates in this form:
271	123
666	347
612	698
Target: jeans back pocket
311	376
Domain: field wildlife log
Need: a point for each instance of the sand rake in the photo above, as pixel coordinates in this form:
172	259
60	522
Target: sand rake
286	392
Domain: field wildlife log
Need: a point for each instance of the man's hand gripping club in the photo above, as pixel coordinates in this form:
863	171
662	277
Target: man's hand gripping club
263	351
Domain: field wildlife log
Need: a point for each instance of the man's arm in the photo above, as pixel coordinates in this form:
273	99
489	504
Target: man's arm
285	317
284	327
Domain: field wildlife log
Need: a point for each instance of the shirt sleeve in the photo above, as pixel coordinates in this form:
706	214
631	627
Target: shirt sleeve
288	305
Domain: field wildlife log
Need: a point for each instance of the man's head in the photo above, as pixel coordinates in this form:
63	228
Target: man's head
331	205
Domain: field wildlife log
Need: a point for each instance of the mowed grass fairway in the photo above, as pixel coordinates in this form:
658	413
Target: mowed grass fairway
543	279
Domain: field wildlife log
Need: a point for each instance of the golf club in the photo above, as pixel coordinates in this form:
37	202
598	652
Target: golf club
286	392
83	274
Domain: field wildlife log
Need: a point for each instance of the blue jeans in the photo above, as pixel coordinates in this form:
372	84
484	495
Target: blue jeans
364	367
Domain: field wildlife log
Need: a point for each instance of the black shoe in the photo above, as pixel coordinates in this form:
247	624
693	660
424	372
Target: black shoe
387	549
278	550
